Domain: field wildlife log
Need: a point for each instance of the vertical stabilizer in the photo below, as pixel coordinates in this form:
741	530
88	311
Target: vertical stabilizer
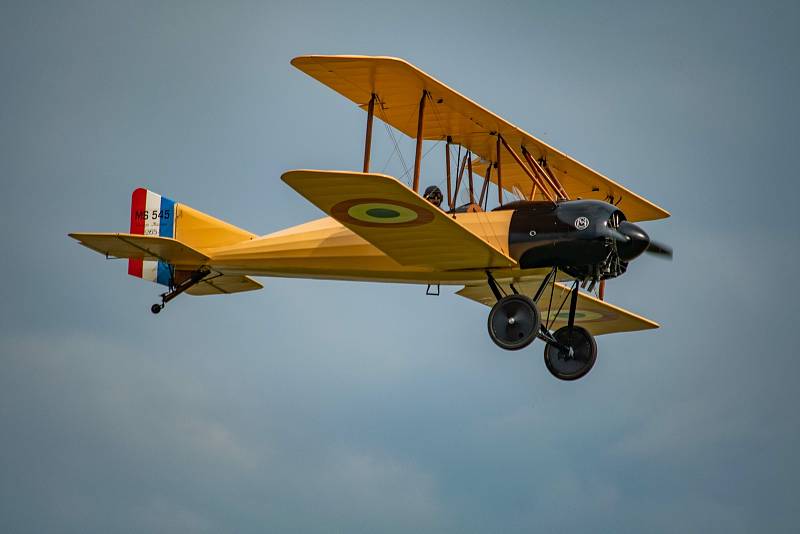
156	215
151	214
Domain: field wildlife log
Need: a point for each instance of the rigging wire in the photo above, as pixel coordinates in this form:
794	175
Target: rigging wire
423	158
396	148
394	140
389	159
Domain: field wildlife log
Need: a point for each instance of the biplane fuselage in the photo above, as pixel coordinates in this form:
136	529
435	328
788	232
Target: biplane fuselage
537	235
326	249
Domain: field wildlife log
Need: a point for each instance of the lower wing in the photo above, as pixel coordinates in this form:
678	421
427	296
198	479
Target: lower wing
597	316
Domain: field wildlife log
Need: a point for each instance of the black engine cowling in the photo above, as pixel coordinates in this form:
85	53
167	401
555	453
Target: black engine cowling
584	238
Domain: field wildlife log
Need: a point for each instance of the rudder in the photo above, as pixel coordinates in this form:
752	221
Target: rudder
156	215
151	214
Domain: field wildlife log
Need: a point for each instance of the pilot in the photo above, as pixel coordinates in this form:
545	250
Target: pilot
433	195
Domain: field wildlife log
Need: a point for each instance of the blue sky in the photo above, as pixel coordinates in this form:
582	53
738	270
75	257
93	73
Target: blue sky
315	406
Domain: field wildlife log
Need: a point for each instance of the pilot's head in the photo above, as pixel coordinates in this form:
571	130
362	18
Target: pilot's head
433	195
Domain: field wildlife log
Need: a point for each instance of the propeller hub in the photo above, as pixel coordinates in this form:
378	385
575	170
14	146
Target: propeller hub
634	241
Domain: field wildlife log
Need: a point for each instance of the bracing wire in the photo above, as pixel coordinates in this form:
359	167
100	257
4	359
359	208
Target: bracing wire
423	158
396	149
389	159
394	141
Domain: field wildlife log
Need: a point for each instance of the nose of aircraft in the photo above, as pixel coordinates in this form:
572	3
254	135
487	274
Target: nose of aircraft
634	241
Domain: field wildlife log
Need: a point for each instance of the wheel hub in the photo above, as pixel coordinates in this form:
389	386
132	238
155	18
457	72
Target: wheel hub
571	354
566	353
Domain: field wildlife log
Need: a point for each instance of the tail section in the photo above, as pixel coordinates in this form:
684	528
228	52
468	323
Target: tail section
159	216
154	215
170	244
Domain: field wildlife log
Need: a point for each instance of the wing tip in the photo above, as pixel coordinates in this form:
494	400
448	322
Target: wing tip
308	58
293	174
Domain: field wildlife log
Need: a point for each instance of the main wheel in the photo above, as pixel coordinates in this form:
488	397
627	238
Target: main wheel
513	322
566	366
155	308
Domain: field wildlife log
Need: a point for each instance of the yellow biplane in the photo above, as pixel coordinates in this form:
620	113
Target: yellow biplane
556	227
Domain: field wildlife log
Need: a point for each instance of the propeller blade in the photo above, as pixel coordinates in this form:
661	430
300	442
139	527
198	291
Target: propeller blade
660	249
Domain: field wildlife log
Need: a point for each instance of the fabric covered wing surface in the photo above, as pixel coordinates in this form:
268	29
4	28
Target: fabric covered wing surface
597	316
399	86
396	220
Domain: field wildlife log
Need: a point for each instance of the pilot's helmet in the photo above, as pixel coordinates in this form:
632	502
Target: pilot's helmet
433	195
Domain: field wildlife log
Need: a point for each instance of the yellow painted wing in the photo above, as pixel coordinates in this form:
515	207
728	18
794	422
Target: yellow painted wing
146	247
223	285
597	316
396	220
399	86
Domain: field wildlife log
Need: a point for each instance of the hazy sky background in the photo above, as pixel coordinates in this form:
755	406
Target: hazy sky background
315	406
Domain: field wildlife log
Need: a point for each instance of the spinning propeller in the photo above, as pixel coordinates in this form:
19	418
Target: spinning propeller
660	249
633	241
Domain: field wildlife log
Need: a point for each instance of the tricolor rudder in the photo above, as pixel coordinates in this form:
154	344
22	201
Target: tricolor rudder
151	214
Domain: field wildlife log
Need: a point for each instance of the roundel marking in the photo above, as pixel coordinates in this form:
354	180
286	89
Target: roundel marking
377	212
582	223
382	213
580	315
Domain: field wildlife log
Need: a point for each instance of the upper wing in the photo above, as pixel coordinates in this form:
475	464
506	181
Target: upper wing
597	316
146	247
399	85
396	220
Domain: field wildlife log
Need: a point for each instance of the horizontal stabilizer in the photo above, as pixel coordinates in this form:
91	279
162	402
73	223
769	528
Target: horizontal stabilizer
223	285
597	316
144	247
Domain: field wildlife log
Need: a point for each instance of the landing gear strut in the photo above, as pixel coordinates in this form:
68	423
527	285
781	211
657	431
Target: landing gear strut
176	290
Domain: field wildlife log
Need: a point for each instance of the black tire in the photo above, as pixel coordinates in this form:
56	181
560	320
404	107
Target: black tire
155	308
513	322
584	354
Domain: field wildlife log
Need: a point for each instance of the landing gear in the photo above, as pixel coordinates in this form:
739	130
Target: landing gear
514	322
573	355
193	279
